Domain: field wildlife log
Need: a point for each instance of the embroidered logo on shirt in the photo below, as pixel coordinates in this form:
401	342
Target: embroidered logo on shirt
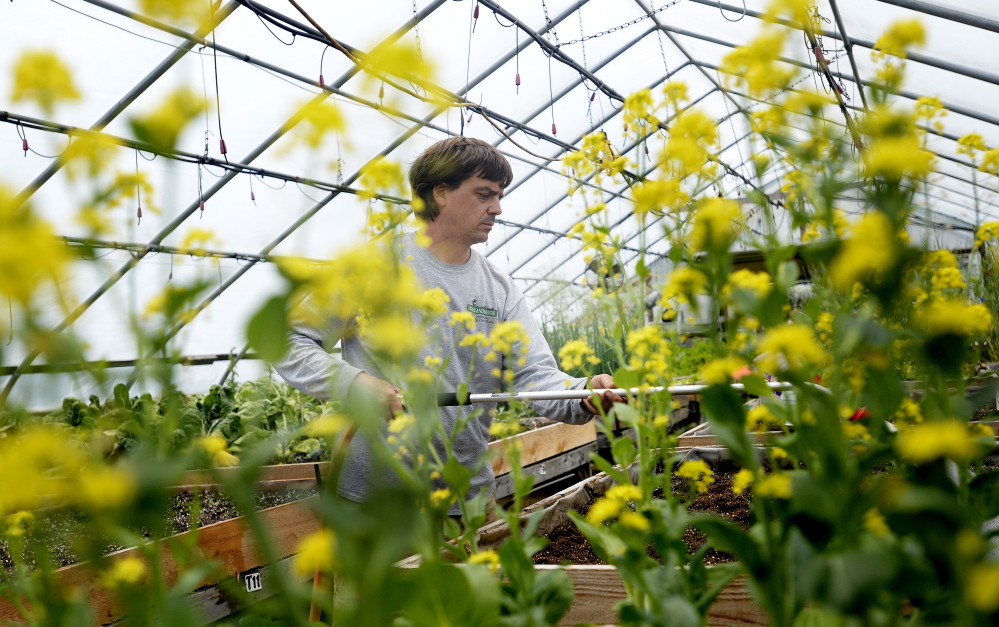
482	311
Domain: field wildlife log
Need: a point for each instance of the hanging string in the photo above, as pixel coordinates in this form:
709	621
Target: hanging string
253	197
218	97
551	92
170	277
138	191
468	58
201	195
322	82
516	38
738	19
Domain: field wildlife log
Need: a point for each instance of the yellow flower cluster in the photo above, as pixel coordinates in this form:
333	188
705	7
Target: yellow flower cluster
442	498
758	283
875	522
871	249
647	349
684	284
774	485
953	317
637	109
719	371
574	352
717	222
760	418
929	441
692	134
658	196
970	145
314	120
216	448
790	347
757	64
908	413
894	157
900	36
987	232
162	126
613	503
192	11
89	154
742	480
316	553
697	471
504	428
489	558
824	325
30	254
465	319
43	465
126	571
990	162
328	425
982	588
18	523
40	76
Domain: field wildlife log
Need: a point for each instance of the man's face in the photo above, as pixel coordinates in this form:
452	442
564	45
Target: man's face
469	211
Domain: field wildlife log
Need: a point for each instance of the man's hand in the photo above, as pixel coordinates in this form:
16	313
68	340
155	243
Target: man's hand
366	389
607	399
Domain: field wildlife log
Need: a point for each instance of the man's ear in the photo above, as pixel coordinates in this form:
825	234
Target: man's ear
440	195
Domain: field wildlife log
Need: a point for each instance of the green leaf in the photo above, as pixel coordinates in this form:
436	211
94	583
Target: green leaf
626	378
756	385
624	451
448	594
462	393
606	467
267	332
641	269
727	417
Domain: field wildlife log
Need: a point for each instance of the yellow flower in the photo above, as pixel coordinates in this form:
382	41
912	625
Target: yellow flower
824	325
490	559
982	588
395	336
314	120
464	318
871	249
30	254
953	317
162	126
196	240
382	176
656	196
634	520
757	64
433	302
676	93
742	480
900	35
18	523
624	493
758	283
125	571
89	154
442	497
946	279
855	431
691	135
684	283
986	232
971	144
790	347
990	162
474	339
325	426
894	157
40	76
776	485
719	371
316	552
908	412
505	335
697	471
573	353
603	510
217	449
38	466
637	108
798	11
504	428
875	522
760	418
926	442
717	222
432	362
401	423
192	11
106	487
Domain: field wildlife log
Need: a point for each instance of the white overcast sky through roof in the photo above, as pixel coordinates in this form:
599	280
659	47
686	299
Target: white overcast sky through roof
110	54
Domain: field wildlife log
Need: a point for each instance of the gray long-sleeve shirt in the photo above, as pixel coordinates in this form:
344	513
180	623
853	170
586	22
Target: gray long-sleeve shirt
476	286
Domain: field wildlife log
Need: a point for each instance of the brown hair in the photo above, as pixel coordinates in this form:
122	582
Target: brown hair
451	162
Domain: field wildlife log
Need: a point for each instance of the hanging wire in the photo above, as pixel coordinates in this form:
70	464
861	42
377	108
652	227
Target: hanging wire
138	190
218	98
738	19
644	16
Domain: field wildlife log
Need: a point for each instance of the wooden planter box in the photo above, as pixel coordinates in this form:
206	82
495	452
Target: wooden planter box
599	588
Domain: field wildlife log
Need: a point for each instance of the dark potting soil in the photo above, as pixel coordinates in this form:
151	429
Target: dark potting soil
56	531
566	544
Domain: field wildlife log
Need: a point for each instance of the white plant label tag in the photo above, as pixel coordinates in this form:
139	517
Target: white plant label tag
253	582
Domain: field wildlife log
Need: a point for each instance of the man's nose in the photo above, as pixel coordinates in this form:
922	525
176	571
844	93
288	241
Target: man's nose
495	209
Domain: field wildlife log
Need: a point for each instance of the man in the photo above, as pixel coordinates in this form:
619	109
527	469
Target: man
460	182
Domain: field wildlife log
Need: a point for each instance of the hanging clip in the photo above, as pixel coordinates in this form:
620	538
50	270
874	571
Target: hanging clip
24	145
222	148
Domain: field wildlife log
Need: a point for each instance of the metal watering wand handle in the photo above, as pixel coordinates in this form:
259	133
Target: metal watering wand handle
450	399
